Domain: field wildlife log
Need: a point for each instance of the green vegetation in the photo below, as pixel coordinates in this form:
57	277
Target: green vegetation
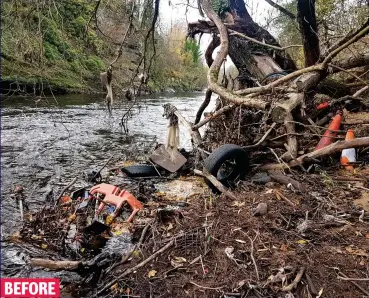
57	43
178	64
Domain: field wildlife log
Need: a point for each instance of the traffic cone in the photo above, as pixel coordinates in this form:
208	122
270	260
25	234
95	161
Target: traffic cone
330	133
348	155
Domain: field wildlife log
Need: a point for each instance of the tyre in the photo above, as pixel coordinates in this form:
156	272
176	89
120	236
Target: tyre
140	171
227	163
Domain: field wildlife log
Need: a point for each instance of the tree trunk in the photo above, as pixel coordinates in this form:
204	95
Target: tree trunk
309	30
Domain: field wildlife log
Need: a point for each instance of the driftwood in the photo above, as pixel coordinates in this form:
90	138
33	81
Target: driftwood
216	183
330	149
56	265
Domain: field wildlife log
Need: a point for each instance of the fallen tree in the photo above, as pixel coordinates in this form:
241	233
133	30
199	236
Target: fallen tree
269	81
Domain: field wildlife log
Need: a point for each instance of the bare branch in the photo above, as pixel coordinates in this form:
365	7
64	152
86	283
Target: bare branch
262	43
281	9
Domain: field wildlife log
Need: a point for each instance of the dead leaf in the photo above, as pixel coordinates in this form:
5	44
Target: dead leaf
367	236
284	247
177	262
357	251
238	204
151	273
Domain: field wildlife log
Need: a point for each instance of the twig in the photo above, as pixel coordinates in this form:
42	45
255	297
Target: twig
203	287
212	117
346	71
361	91
252	255
64	190
354	279
263	137
297	279
139	265
282	9
354	283
279	195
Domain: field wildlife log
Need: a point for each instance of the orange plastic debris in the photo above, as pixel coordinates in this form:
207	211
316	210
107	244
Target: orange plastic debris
116	197
348	155
330	133
323	105
105	189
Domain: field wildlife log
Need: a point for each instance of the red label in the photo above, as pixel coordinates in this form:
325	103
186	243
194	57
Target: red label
30	287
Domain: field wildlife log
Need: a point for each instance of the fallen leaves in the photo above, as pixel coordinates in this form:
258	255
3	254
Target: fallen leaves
178	262
357	251
151	273
238	204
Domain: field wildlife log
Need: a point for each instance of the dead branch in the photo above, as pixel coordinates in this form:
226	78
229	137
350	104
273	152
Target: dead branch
139	265
355	38
352	62
354	283
252	255
203	106
213	116
216	183
233	32
291	139
281	9
330	149
262	138
55	265
281	178
280	196
346	71
361	91
218	61
281	111
297	279
343	40
64	190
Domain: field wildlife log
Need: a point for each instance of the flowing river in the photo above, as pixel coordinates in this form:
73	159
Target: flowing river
45	144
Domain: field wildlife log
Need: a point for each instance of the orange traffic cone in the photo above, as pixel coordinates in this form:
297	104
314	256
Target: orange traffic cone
348	155
330	133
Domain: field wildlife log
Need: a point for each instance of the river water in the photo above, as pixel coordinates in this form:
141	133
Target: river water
45	144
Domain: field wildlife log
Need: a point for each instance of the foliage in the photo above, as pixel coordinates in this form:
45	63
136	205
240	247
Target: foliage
58	42
178	64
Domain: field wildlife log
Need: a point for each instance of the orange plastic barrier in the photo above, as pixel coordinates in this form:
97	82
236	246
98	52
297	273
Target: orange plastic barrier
330	133
348	155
